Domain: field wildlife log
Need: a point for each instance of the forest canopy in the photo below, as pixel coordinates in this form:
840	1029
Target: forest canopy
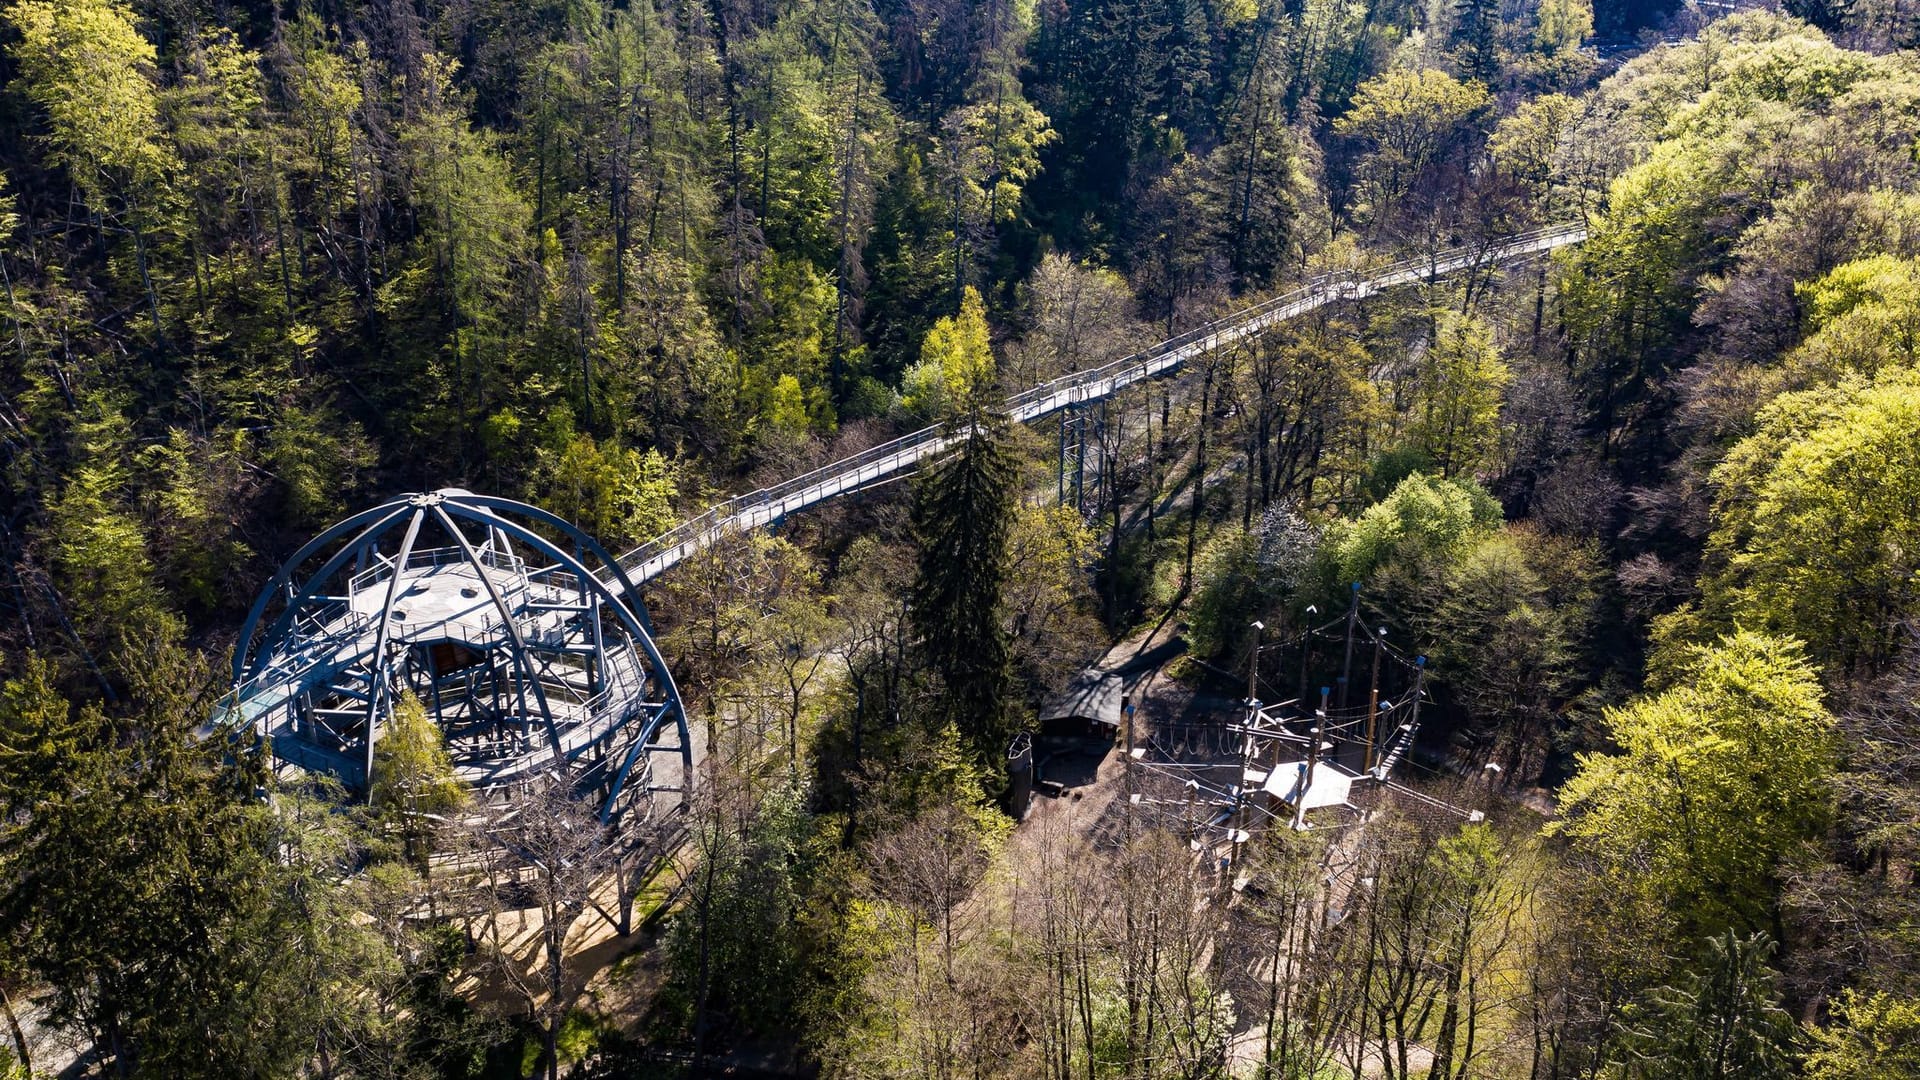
1634	525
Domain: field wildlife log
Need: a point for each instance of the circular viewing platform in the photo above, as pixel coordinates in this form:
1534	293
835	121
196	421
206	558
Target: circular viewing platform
513	630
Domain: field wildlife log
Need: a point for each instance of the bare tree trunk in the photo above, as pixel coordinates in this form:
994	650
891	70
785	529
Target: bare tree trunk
146	280
13	310
1199	495
19	1036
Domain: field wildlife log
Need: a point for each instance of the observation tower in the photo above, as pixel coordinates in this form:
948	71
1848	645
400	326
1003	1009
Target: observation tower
520	636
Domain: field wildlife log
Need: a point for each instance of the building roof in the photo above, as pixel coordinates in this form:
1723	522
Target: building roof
1330	787
1091	695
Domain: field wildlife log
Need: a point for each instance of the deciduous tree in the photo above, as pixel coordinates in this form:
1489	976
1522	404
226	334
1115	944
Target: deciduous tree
1718	778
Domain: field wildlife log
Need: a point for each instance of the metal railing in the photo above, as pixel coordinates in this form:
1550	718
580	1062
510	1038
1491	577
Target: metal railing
383	566
769	504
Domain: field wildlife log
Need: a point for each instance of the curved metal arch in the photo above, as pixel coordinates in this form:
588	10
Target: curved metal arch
377	689
626	614
630	615
588	543
639	751
544	517
506	620
359	534
244	645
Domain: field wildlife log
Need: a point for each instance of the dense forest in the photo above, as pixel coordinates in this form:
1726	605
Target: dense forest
1649	507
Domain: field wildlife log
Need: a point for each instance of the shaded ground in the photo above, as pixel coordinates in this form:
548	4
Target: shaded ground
1181	734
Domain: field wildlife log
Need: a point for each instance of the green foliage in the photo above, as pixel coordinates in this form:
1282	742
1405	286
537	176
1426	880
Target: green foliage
737	941
615	494
1227	592
723	601
1408	119
908	930
1724	1021
1630	288
788	348
1525	144
1076	315
1423	520
1562	26
786	412
1050	556
196	487
984	154
1862	317
1871	1036
1266	207
962	515
665	371
317	456
414	785
41	739
1716	781
1390	467
579	1036
1673	153
475	225
1241	576
936	776
1813	519
193	928
1507	634
102	561
955	375
1457	397
621	251
87	67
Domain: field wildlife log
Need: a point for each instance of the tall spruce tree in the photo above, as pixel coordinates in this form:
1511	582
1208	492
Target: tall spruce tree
961	515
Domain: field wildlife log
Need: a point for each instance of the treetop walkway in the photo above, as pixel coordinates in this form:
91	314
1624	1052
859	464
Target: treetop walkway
769	505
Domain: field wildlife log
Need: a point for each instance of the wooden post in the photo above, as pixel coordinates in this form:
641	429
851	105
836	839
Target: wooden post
1126	764
1314	732
1373	695
1253	669
1306	652
1419	684
1346	669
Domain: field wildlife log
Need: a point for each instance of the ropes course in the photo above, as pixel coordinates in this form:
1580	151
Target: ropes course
530	648
1297	750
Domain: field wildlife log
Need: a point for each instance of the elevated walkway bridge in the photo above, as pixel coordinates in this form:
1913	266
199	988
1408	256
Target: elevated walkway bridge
526	644
769	505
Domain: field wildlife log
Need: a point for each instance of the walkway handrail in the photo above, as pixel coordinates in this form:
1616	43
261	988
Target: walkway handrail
768	504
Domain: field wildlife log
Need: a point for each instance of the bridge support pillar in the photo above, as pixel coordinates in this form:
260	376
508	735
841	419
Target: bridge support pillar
1081	456
1073	457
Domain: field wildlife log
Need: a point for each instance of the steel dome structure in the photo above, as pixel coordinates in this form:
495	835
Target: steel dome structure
519	634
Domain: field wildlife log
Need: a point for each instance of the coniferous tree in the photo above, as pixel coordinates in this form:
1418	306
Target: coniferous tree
962	514
183	925
1723	1020
1475	39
